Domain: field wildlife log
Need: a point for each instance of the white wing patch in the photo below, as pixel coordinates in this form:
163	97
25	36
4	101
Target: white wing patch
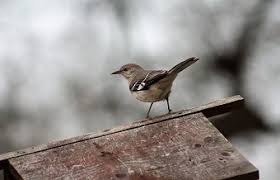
143	83
150	78
141	86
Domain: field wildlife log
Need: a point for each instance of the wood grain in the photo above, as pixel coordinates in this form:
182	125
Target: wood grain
189	147
214	108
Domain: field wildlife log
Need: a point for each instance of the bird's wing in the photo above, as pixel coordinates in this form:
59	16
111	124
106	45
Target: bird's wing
144	81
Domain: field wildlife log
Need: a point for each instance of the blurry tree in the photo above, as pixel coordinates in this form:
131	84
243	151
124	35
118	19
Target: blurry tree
233	62
9	110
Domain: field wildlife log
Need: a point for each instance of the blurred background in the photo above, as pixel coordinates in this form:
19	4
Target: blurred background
56	58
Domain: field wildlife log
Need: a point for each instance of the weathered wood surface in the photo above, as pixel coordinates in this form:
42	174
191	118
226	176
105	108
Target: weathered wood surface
211	109
188	147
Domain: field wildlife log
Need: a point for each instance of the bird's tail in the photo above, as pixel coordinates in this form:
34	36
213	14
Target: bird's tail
182	65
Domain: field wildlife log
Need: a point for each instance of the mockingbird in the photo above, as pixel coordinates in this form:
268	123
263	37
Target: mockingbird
152	85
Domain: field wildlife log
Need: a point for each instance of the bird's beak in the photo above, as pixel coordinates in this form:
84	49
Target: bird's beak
117	72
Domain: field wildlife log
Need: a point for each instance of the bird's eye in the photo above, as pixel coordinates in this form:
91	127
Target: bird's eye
125	69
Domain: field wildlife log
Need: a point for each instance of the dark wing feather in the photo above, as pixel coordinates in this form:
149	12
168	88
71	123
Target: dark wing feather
144	82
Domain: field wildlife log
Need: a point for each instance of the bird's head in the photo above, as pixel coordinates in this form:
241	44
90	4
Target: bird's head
129	70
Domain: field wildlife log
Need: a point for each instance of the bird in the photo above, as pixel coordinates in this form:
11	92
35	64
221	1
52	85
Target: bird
152	85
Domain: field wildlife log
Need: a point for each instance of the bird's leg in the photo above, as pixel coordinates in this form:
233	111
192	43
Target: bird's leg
149	110
167	101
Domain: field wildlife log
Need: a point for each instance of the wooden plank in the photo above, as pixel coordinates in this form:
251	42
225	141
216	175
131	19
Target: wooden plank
210	109
188	147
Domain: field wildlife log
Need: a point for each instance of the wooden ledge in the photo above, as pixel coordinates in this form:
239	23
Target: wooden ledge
210	109
189	147
180	145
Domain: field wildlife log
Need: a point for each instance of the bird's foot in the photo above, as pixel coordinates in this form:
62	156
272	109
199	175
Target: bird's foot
148	117
141	121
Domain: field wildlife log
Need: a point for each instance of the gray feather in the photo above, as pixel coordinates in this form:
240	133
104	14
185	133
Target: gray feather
182	65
